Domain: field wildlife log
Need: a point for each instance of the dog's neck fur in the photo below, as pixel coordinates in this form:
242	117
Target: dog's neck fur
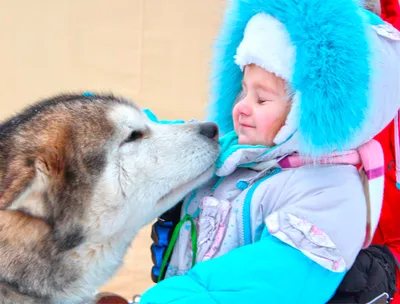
101	261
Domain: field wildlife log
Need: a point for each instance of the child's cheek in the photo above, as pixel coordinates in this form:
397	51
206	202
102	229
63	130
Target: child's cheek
264	125
235	116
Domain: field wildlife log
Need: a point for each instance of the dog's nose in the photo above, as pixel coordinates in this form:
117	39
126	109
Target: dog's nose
209	129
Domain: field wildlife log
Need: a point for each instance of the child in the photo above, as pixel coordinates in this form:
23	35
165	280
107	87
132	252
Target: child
287	213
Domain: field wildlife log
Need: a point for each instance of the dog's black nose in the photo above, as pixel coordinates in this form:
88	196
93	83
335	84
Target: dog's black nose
209	129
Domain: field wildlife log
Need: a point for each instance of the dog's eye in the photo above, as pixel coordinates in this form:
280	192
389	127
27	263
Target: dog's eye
135	135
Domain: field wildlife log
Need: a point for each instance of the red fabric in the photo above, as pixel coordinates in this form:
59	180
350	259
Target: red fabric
391	12
388	231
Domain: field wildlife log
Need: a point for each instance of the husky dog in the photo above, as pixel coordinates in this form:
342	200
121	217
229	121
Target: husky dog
79	176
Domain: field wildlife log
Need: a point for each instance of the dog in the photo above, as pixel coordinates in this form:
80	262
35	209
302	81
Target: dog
79	176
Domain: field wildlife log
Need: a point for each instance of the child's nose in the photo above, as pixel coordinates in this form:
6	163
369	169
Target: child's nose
243	108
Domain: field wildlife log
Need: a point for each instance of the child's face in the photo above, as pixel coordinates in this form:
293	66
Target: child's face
262	110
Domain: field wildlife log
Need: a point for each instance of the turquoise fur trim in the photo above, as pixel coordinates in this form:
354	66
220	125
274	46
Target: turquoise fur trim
229	145
331	71
398	186
371	18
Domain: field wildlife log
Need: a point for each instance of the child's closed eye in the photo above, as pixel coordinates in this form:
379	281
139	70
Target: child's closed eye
263	101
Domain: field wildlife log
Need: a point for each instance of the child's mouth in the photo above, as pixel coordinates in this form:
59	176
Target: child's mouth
246	126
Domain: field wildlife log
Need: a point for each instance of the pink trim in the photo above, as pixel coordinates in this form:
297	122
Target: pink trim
295	160
285	163
371	155
375	173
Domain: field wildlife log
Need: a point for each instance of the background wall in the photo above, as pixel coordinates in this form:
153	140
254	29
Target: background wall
156	52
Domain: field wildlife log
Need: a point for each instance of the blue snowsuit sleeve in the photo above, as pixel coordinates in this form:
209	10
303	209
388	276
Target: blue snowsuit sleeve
268	271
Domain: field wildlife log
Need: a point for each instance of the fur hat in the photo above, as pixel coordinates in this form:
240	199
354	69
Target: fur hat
320	47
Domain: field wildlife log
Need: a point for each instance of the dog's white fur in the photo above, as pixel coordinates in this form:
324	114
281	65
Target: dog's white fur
129	192
141	180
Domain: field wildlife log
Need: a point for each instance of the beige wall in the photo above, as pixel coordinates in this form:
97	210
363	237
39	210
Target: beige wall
156	52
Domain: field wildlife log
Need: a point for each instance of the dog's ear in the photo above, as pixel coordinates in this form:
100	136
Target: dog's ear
30	188
28	178
50	163
16	179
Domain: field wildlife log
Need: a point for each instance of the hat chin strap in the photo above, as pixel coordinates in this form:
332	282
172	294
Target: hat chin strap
289	128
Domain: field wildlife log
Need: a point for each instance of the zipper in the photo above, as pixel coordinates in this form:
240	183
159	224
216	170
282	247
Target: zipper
247	237
189	201
219	181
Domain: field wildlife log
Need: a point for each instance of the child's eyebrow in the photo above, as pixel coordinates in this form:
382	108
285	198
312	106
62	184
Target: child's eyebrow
267	89
262	87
